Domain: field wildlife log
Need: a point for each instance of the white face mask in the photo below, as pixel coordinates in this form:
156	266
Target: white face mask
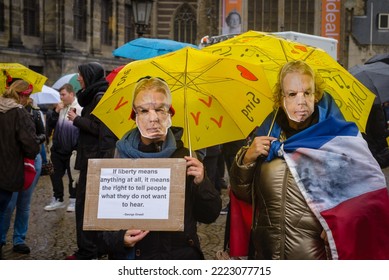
291	118
164	125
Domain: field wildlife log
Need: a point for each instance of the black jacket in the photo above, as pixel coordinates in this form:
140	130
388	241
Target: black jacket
18	140
202	204
95	140
38	121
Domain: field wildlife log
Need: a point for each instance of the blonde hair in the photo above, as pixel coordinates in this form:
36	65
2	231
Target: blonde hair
297	66
13	90
153	83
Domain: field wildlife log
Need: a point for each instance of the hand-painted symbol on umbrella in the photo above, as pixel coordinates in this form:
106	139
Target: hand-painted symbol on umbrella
271	52
212	96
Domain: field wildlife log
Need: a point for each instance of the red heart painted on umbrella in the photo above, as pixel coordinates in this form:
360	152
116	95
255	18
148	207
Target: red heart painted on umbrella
301	48
245	73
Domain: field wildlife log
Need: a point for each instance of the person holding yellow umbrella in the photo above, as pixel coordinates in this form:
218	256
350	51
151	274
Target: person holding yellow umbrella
317	190
155	138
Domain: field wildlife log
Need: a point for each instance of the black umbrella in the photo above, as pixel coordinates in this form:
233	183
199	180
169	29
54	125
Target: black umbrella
382	57
375	76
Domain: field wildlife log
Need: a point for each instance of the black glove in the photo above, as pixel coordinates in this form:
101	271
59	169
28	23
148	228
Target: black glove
41	138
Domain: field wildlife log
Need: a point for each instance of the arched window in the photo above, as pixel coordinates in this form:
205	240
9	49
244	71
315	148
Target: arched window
31	17
1	15
185	25
79	17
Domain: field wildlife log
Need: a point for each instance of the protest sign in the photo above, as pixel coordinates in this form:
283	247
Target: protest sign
146	194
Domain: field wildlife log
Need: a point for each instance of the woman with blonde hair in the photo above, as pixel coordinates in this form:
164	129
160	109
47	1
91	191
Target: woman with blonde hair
304	208
19	140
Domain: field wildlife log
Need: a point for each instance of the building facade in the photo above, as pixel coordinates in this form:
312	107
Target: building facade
53	37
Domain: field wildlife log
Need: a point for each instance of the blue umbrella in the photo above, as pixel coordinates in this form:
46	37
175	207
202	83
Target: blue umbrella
144	48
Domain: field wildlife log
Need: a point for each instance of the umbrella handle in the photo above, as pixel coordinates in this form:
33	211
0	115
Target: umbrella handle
272	123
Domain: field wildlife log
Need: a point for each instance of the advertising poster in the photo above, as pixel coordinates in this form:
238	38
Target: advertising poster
232	17
331	20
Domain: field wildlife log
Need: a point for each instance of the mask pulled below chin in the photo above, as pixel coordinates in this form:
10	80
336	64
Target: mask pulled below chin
287	113
165	124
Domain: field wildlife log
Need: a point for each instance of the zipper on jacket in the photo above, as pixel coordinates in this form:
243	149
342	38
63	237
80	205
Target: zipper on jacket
282	214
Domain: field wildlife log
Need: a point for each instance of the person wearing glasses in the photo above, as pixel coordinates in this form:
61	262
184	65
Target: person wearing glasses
155	138
304	163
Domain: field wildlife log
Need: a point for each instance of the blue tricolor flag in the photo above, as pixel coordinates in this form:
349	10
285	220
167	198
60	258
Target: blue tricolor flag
343	185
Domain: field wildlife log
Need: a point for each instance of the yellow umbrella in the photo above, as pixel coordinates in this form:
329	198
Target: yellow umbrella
16	70
271	52
216	99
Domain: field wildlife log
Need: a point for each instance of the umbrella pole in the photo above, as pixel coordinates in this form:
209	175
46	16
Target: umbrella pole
272	123
187	129
186	122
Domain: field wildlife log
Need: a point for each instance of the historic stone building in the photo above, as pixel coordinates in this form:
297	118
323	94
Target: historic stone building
53	37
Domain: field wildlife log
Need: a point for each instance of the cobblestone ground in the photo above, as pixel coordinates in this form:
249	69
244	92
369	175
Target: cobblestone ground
52	235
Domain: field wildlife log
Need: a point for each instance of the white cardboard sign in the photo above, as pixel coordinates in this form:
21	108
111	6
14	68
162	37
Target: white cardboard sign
144	194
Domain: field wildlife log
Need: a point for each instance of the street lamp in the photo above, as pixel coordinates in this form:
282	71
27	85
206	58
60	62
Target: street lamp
142	11
349	4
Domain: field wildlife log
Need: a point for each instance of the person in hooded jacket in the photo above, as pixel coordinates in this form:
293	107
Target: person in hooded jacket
19	140
95	140
155	138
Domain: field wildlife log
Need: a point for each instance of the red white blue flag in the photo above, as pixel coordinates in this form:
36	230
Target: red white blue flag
344	186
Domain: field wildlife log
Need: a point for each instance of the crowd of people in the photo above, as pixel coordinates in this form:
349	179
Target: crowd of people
287	170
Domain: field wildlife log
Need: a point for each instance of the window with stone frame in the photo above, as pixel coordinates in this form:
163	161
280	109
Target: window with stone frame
79	20
1	15
129	27
185	24
106	22
31	17
262	15
299	16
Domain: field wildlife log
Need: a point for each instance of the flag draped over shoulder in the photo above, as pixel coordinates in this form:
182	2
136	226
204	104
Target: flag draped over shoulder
343	185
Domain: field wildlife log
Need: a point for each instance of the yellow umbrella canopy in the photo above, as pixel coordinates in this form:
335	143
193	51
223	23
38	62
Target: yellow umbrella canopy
272	52
216	99
16	70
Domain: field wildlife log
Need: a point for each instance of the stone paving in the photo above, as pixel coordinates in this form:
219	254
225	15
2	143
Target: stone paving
52	235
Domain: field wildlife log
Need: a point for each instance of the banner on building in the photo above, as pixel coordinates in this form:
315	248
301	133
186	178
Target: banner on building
331	20
232	17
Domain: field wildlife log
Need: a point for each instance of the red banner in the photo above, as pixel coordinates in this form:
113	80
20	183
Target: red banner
331	20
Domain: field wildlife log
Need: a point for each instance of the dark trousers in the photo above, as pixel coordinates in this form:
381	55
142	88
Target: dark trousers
61	163
87	249
5	198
